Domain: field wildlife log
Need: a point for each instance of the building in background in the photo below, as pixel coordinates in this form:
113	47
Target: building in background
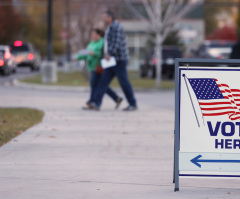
137	37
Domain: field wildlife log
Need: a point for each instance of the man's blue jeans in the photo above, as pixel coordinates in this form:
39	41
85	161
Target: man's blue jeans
120	70
94	81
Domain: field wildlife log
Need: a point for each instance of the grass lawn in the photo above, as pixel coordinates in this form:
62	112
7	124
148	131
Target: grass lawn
77	79
13	121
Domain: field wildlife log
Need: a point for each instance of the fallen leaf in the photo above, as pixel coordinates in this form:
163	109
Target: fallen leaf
229	193
51	136
18	132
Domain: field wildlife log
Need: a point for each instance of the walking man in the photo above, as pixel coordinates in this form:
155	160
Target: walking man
115	46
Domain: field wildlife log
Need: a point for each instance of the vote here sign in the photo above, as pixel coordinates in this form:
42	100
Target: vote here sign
209	131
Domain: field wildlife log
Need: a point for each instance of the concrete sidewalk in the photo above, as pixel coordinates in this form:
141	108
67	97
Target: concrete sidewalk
74	154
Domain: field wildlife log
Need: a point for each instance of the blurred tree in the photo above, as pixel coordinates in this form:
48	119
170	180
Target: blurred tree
210	18
34	26
161	17
214	9
87	15
225	33
172	39
10	22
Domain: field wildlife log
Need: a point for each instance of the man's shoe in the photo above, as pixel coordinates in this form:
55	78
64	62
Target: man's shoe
118	102
87	108
93	106
130	108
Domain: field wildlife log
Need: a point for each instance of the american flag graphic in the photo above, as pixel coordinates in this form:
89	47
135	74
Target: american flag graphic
216	99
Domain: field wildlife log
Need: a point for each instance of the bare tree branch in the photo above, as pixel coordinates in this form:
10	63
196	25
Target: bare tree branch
162	15
186	9
137	14
150	12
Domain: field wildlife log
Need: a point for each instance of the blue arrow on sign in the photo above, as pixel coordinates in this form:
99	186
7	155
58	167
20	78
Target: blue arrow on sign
197	159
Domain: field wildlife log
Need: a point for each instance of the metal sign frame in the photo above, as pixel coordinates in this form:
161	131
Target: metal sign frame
188	62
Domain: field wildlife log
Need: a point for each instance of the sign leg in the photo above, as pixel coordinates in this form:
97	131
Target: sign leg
176	173
176	167
174	161
176	132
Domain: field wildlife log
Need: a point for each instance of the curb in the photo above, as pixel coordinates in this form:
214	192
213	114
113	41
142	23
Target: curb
17	83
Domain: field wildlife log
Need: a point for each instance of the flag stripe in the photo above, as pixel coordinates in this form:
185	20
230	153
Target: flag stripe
220	108
217	114
235	90
213	103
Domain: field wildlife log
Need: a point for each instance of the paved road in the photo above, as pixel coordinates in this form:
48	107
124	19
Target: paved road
21	73
109	154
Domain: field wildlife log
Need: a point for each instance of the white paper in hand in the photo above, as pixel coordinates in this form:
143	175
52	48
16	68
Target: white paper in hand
108	63
84	52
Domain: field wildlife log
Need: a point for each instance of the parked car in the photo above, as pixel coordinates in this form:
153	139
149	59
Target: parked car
5	68
9	60
214	49
169	53
26	55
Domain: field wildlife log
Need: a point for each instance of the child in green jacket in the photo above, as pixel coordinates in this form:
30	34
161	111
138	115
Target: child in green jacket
95	48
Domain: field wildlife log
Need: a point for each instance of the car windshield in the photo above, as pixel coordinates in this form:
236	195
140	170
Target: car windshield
23	48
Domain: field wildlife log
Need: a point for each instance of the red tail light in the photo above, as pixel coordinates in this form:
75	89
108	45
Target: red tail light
220	57
30	56
18	43
7	55
1	62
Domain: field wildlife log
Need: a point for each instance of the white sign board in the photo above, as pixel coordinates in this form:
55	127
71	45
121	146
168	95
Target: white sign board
209	131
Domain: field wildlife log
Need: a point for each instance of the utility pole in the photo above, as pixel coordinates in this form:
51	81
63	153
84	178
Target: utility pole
68	47
49	67
49	31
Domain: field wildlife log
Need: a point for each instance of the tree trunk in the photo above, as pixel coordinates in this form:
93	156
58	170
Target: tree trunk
158	50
